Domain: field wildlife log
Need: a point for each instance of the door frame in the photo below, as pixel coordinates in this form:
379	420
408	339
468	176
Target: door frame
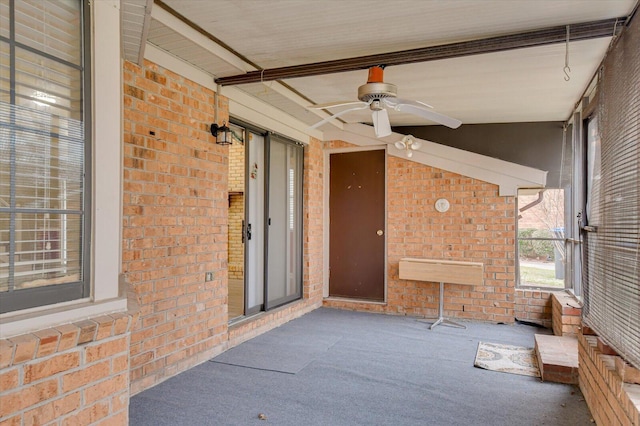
326	218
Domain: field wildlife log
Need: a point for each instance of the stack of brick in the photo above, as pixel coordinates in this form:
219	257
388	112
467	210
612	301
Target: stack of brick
567	314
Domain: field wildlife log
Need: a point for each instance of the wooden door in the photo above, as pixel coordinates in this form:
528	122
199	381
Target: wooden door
357	225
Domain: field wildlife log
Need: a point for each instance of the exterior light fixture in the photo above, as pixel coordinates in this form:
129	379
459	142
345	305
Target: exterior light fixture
222	133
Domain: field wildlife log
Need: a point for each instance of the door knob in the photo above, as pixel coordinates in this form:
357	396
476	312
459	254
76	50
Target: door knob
380	232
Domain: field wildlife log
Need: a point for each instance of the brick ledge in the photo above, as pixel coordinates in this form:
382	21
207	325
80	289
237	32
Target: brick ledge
627	395
26	347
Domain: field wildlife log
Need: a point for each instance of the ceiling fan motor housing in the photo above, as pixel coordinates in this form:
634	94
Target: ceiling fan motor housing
372	91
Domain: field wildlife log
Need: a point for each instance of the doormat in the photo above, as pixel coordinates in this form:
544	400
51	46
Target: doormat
507	359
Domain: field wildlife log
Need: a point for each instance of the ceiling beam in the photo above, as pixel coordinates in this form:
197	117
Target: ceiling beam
552	35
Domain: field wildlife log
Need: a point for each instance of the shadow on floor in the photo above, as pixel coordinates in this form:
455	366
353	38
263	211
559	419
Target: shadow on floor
333	367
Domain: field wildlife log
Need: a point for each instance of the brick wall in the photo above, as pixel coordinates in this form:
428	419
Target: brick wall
73	374
610	400
313	221
236	246
176	218
236	167
567	314
236	210
174	222
479	227
534	306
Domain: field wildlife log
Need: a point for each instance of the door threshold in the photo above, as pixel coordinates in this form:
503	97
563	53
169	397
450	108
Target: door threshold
347	299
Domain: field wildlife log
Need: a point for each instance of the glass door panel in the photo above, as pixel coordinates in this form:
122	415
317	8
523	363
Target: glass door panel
254	224
284	261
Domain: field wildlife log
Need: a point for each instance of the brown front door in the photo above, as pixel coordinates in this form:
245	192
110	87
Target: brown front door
356	229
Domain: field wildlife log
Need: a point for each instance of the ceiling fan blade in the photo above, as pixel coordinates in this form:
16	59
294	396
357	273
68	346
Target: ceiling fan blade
341	113
394	102
336	104
381	123
429	115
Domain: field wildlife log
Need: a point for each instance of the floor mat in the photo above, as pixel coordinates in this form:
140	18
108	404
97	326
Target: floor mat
507	359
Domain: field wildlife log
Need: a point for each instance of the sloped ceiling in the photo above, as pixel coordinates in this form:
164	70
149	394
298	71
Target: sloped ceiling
229	37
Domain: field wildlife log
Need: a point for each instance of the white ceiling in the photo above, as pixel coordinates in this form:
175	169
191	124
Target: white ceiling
511	86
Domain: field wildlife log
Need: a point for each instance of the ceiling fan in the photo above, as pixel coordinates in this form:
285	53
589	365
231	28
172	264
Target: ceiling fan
379	96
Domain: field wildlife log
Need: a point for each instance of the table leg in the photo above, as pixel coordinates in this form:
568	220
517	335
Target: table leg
441	319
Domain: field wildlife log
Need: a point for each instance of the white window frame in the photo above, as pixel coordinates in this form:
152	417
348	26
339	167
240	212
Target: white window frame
106	188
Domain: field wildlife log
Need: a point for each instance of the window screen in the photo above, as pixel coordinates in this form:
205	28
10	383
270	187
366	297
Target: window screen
42	153
612	253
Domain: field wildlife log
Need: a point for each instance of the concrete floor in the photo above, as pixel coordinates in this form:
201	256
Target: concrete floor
333	367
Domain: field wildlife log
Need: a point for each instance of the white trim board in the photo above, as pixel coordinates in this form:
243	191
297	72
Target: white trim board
194	36
241	105
508	176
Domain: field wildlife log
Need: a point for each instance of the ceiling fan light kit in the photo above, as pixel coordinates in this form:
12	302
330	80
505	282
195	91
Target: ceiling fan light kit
379	97
409	144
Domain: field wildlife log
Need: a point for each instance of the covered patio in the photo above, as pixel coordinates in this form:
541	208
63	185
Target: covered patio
205	208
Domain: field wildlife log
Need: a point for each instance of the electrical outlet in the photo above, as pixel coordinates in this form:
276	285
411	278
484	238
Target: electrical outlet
208	276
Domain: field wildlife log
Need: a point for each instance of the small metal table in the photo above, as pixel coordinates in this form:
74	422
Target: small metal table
442	271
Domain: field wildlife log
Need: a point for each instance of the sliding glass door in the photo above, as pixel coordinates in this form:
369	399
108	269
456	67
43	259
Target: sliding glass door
284	222
270	233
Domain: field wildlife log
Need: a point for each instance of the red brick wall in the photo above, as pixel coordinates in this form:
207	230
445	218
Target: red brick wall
77	374
610	400
174	222
534	306
479	227
566	313
313	225
175	226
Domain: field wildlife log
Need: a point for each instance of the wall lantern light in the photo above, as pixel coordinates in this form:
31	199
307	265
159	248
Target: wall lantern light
222	133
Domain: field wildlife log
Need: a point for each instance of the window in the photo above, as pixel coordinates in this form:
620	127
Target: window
541	238
44	147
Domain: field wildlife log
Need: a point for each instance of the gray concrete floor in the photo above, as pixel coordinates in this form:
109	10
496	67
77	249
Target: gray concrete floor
333	367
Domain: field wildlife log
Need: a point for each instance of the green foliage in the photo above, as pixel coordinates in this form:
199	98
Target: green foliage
532	276
535	249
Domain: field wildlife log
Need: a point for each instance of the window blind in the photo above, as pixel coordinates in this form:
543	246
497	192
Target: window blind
612	247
